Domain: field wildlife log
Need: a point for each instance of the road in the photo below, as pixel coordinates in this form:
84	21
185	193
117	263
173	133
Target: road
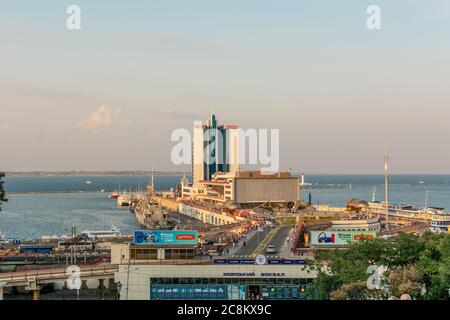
279	239
253	242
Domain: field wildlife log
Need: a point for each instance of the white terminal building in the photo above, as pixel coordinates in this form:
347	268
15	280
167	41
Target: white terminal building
148	272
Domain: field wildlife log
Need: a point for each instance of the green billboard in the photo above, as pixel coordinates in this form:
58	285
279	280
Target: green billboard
339	238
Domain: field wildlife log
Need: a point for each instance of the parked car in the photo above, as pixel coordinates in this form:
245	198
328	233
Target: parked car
270	224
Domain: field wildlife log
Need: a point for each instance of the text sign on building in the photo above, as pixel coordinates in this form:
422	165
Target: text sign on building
339	238
186	237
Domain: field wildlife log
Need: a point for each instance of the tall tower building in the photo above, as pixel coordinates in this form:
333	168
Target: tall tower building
214	149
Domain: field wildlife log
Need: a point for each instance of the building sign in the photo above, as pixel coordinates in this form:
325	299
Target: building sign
260	259
186	237
339	238
253	274
248	261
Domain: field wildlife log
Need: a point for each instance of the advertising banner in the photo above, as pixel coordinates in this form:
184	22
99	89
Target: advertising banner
339	238
186	237
188	292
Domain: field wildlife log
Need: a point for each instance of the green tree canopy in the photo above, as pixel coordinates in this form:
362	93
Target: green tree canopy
417	265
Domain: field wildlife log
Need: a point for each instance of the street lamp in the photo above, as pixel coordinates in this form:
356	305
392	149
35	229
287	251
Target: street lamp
118	287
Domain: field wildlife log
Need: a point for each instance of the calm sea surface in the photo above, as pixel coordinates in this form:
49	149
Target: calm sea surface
70	201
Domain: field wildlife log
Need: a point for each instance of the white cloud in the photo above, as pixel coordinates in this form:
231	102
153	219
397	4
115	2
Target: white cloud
102	117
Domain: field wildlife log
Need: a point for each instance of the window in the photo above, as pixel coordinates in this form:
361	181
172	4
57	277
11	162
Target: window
143	254
175	254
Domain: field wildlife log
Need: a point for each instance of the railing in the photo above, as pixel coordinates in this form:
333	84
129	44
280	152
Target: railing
172	262
56	273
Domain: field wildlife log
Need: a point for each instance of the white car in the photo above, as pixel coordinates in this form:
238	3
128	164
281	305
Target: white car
271	249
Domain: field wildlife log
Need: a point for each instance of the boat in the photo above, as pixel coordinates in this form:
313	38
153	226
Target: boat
440	223
114	195
102	234
3	240
124	200
88	182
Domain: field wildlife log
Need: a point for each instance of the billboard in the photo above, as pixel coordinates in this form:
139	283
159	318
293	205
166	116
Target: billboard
186	237
188	292
339	238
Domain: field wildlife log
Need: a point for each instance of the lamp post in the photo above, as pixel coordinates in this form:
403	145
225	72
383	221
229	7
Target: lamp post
118	287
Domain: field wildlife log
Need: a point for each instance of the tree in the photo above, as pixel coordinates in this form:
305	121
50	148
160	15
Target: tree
407	249
2	191
418	266
357	291
405	280
433	264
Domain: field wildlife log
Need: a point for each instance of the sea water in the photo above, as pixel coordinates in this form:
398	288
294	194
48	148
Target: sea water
50	205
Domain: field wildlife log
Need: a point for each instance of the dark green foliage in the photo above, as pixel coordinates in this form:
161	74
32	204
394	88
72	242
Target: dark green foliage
416	260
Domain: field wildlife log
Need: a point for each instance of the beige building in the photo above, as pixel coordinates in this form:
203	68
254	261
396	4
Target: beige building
246	187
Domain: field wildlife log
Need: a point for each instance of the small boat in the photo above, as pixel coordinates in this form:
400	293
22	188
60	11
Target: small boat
124	200
88	182
114	195
102	234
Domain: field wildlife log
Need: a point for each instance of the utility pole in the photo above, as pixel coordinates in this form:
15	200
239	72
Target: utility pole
128	276
386	183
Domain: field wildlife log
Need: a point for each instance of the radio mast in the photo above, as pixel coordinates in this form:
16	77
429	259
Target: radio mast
386	183
153	186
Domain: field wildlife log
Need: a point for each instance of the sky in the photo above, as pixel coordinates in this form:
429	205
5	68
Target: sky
108	96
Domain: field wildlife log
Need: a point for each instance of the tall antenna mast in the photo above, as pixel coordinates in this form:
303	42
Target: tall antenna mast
386	183
153	186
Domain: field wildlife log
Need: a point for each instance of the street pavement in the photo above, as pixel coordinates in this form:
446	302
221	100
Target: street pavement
279	241
252	242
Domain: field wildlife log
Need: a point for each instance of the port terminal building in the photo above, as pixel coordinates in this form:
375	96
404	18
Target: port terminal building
217	178
169	272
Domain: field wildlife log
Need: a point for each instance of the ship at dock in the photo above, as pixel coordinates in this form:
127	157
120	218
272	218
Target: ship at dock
149	214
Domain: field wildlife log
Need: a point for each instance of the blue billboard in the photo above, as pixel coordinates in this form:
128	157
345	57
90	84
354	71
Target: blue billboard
186	237
188	292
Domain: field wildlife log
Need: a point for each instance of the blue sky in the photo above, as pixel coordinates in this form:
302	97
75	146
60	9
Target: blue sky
141	69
